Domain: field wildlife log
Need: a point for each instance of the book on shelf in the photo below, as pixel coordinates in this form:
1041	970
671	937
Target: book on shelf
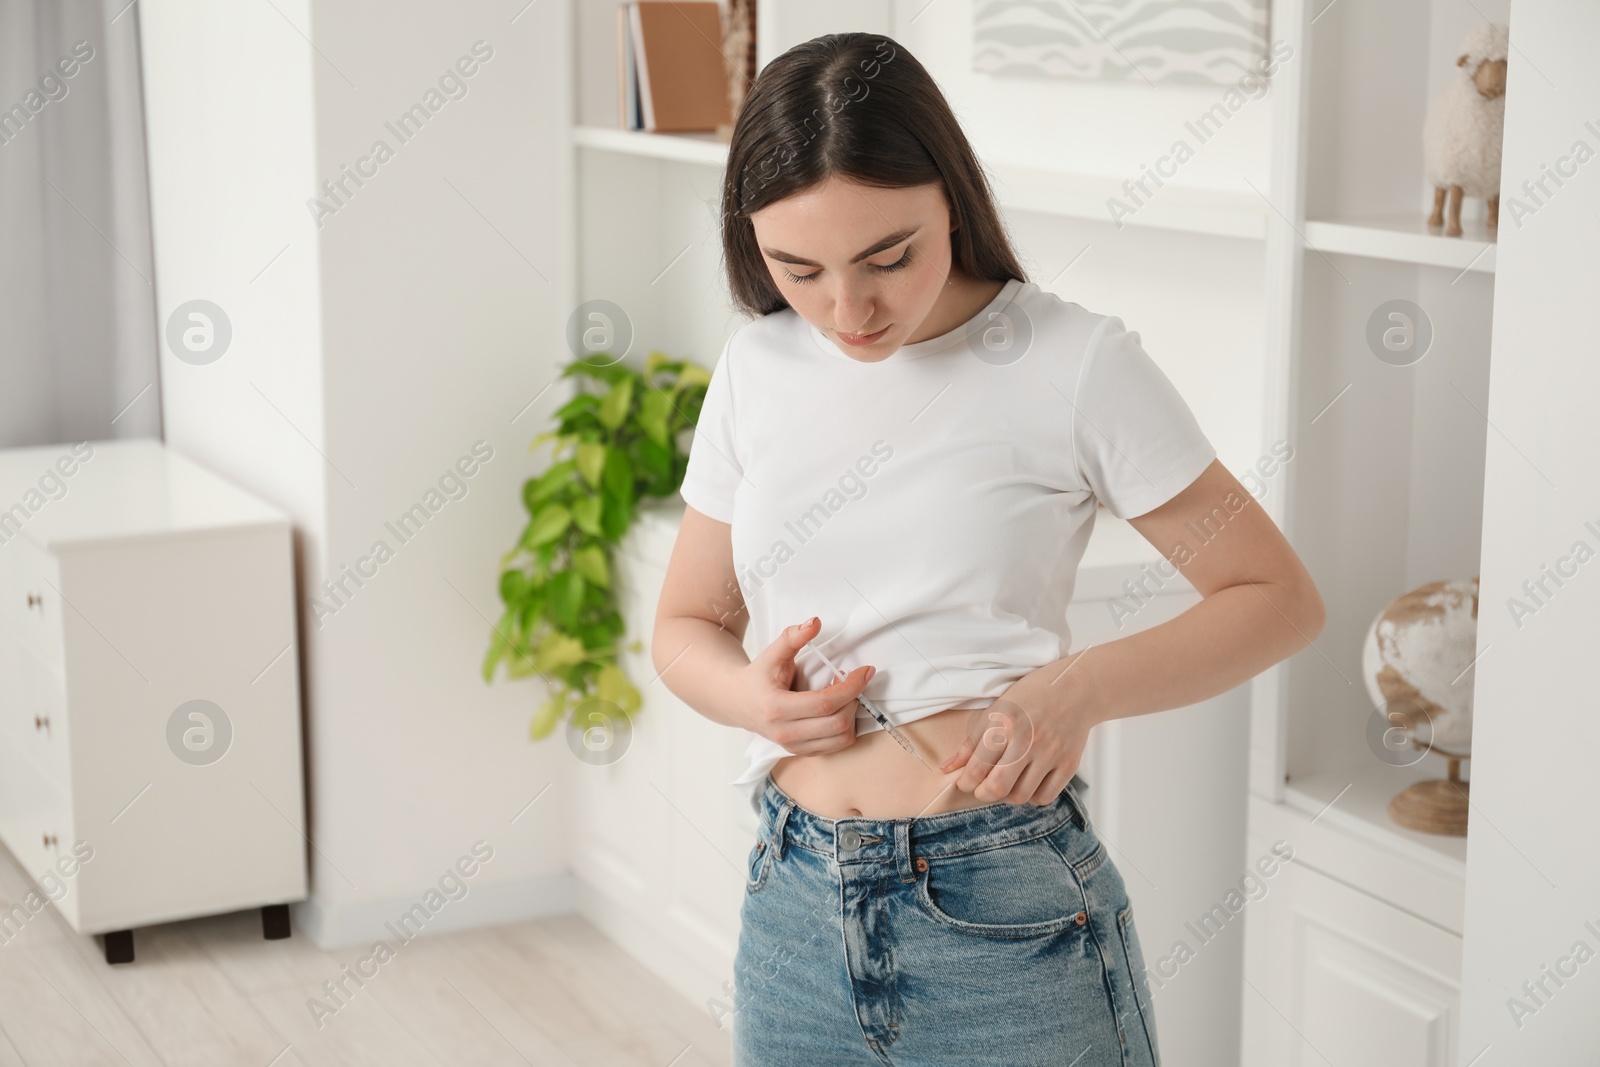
671	73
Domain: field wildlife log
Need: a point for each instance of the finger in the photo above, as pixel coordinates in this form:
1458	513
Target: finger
1000	780
843	691
995	741
982	760
840	732
817	746
1050	787
1027	782
1005	757
791	640
820	703
958	759
823	746
806	726
970	746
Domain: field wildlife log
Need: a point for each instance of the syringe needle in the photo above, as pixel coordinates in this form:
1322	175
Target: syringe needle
878	716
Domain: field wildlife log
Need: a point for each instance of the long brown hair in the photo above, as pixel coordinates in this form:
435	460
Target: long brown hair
860	106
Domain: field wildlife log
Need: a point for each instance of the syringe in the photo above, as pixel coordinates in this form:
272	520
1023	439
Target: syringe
872	709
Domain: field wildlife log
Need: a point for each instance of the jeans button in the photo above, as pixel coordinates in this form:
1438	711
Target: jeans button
849	839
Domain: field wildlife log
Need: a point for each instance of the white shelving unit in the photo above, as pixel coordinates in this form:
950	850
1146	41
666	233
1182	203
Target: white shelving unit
1357	958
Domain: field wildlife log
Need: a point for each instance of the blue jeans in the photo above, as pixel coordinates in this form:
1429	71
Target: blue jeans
999	934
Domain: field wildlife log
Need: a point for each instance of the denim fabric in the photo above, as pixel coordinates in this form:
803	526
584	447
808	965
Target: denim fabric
999	934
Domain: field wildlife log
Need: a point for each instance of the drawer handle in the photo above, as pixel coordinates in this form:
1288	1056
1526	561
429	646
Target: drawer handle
50	841
35	599
41	723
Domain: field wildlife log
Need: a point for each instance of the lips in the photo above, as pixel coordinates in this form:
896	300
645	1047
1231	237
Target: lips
860	338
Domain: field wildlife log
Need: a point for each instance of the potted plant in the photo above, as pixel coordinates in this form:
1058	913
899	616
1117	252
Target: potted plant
621	439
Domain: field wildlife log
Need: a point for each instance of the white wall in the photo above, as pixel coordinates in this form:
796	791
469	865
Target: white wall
1093	127
229	161
1532	870
368	355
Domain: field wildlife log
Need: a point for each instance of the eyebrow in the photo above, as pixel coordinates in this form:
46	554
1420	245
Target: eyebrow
876	247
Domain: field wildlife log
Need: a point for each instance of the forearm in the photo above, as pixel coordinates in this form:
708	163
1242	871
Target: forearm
697	660
1225	640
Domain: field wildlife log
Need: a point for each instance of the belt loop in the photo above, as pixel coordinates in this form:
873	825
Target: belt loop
778	823
1075	790
902	850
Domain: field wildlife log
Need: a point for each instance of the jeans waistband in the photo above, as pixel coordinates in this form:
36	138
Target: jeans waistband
863	839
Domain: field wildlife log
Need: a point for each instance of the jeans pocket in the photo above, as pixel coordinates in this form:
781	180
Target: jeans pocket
756	865
1132	952
1015	890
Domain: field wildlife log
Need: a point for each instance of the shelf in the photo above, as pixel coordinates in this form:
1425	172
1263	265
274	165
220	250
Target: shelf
1191	209
703	148
1405	239
1066	194
1363	810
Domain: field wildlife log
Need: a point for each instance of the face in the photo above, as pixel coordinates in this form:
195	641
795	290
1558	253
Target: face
1491	78
855	260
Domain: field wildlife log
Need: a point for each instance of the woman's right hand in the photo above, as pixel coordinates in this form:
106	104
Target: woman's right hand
805	722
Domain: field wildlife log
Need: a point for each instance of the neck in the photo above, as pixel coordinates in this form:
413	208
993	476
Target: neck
961	298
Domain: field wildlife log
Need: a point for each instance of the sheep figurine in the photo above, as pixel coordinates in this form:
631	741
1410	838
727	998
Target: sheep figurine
1462	133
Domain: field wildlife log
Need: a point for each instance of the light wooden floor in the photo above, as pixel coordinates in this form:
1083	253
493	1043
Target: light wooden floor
212	993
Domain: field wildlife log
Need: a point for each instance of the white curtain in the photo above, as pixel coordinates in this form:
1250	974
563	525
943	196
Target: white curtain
77	305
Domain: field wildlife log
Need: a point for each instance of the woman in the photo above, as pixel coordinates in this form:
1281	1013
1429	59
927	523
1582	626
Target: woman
898	463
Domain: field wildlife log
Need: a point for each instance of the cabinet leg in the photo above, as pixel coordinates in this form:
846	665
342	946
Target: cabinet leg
119	946
275	922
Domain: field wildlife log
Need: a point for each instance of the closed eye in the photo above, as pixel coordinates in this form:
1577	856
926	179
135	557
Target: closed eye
900	264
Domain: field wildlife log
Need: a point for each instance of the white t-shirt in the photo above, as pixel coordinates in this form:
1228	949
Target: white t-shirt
931	508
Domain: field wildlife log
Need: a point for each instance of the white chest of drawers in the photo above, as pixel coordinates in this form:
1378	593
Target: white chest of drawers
150	756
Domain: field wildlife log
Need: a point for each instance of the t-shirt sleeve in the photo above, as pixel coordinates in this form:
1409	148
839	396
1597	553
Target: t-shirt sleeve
1137	444
715	469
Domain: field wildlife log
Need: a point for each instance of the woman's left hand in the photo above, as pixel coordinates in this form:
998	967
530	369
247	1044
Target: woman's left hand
1026	746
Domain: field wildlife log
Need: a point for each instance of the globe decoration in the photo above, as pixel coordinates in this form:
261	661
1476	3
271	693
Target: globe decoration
1417	663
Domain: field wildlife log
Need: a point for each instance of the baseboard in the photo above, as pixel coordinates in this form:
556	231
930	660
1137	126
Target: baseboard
334	924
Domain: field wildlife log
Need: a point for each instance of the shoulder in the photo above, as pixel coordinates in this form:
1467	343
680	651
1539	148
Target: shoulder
775	332
767	339
1064	328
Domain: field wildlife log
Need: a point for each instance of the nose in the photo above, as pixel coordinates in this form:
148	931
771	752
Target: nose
853	309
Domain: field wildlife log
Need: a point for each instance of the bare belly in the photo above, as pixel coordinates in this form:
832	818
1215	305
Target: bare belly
878	779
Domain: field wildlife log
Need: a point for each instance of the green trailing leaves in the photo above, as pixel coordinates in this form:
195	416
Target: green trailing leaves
499	638
536	491
545	719
612	685
614	408
590	561
591	461
614	444
655	411
693	377
549	523
586	513
566	597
